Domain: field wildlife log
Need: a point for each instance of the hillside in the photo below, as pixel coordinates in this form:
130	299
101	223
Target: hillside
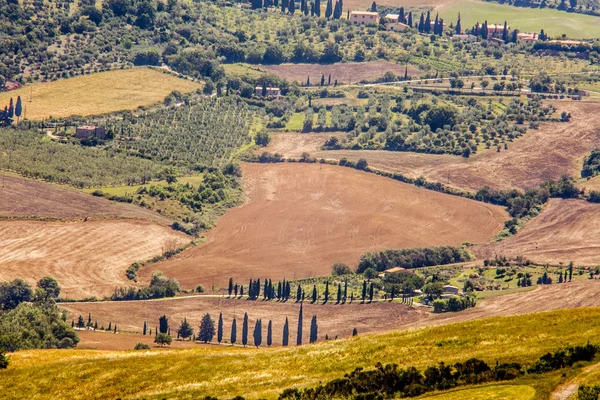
225	371
301	218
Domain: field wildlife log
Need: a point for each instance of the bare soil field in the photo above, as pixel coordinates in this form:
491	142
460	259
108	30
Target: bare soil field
333	320
86	258
294	144
565	230
345	73
301	218
555	149
30	199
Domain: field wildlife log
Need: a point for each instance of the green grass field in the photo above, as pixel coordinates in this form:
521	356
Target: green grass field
224	371
97	94
554	22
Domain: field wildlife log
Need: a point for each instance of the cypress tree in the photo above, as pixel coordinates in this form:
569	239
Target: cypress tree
270	333
339	294
505	33
230	288
145	327
427	27
11	108
115	328
371	293
72	323
393	294
410	19
322	79
299	294
364	291
109	326
570	270
19	108
314	294
328	9
288	290
354	332
286	333
401	17
421	25
163	324
233	332
313	329
435	24
283	6
318	8
266	290
299	334
96	325
241	290
220	328
257	333
291	6
374	7
326	292
458	26
245	330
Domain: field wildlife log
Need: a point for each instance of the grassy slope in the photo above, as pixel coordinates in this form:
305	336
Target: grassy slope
554	22
98	93
225	371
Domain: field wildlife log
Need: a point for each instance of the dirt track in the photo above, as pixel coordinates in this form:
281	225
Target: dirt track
333	319
565	230
555	149
301	218
26	198
86	258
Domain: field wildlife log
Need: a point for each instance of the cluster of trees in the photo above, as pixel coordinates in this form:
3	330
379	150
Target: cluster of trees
10	111
30	319
453	304
591	165
426	26
588	392
391	381
412	258
160	286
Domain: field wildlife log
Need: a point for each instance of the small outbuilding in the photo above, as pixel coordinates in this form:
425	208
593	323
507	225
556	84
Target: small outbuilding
90	131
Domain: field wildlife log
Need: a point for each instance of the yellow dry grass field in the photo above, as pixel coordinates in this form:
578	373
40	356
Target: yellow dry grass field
95	94
225	371
299	219
86	258
555	149
565	231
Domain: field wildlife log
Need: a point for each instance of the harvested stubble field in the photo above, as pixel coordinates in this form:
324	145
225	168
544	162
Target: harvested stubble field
224	371
294	144
86	258
345	73
334	320
32	199
301	218
565	230
555	149
99	93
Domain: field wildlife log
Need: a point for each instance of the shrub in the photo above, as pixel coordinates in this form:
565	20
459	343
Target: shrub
340	268
141	346
412	258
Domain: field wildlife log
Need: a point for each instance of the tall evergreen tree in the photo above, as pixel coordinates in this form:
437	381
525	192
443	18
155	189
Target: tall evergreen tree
185	329
427	26
220	328
299	333
326	294
18	108
339	294
458	26
145	327
329	9
245	330
345	290
233	332
314	294
163	324
374	7
421	26
286	333
11	108
570	270
401	16
207	329
435	24
284	6
313	329
364	291
257	335
270	333
505	33
230	288
291	6
371	293
410	19
318	7
299	294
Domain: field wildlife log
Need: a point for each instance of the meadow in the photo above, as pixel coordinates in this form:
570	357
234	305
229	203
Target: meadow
96	94
226	371
553	22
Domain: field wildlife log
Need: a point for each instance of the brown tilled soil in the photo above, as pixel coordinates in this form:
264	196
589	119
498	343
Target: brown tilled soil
294	144
31	199
555	149
86	258
565	230
301	218
345	73
332	319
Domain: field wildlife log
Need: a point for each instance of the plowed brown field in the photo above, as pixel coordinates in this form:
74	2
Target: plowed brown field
555	149
301	218
332	319
31	199
565	230
86	258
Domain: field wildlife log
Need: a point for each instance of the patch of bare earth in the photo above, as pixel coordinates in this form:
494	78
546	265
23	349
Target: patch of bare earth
86	258
344	73
31	199
334	320
565	230
555	149
301	218
294	144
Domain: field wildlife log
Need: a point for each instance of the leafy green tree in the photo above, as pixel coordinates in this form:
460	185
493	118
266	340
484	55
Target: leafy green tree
162	339
163	324
245	330
286	333
433	290
141	346
207	329
13	293
185	329
339	268
50	286
370	273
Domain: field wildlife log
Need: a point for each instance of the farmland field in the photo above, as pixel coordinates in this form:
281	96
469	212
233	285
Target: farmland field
99	93
344	73
565	230
33	199
301	218
555	149
86	258
223	371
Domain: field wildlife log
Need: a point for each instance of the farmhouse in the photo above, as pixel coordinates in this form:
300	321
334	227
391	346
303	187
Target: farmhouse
392	23
364	18
89	131
496	29
271	92
527	37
